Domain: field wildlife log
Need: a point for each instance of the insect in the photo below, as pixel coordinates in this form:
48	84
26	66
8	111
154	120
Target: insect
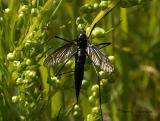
80	48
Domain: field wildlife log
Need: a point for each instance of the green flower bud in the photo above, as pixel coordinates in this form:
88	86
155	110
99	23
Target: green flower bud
25	81
34	12
7	10
28	43
30	74
24	8
16	63
103	5
95	88
87	8
95	6
76	114
98	32
21	15
54	81
23	118
102	74
54	78
96	113
95	94
80	27
79	21
11	56
90	117
92	100
26	104
15	99
96	110
109	3
19	81
104	82
28	62
85	84
77	108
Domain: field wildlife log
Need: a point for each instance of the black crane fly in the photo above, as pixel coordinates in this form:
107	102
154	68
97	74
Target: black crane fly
80	48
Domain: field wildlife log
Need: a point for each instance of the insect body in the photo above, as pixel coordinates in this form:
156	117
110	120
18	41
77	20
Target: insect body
80	48
80	59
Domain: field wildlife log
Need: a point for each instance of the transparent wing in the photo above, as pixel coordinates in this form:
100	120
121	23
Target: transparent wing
99	59
60	55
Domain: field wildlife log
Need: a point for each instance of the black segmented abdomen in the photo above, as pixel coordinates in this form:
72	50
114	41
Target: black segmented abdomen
80	58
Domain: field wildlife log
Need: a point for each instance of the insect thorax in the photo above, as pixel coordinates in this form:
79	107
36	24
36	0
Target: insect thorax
82	39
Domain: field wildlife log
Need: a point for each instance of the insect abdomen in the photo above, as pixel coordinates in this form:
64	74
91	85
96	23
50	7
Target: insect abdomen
80	58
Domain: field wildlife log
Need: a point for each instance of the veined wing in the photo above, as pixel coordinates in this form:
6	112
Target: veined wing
60	55
99	59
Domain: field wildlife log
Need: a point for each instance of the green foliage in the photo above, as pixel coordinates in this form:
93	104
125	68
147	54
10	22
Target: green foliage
30	92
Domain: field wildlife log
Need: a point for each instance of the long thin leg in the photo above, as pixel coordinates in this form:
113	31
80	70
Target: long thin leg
66	72
100	101
59	70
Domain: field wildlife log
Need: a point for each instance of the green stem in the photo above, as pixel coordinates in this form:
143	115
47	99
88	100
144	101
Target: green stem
57	8
126	102
74	16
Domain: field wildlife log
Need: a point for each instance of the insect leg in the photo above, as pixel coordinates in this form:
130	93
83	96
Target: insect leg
94	66
66	73
104	44
59	70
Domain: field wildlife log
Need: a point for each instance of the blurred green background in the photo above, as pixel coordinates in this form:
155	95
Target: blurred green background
30	92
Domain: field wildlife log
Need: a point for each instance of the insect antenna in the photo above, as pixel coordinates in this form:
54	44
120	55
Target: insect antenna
91	30
62	39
